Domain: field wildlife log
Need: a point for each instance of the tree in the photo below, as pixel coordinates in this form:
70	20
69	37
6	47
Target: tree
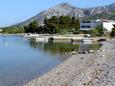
33	27
13	30
112	34
93	32
100	30
61	24
75	25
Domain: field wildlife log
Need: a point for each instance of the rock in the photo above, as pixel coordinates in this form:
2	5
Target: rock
82	58
74	52
91	51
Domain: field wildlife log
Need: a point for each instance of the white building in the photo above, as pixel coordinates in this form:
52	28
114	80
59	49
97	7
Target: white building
108	25
91	24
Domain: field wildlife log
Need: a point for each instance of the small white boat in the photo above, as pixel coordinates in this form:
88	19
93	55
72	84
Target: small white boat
87	40
42	39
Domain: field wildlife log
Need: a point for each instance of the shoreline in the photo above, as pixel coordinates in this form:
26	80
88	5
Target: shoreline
79	69
1	34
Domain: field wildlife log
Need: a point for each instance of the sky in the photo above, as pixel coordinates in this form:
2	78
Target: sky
15	11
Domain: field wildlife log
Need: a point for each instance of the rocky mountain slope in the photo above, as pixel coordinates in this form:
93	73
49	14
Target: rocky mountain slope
106	12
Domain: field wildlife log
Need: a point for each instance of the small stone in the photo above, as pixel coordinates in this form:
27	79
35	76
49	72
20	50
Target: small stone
82	58
84	83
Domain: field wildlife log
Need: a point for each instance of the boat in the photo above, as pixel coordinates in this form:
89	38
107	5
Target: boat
42	39
87	41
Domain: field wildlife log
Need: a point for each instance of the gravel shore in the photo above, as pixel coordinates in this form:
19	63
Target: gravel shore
94	69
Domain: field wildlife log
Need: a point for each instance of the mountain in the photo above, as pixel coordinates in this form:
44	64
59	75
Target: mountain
105	12
101	12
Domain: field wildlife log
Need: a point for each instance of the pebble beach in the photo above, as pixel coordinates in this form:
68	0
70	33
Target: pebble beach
93	69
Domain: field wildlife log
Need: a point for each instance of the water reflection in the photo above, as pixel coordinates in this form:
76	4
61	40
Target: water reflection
4	40
62	47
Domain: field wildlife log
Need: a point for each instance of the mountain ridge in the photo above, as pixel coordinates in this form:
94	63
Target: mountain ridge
66	9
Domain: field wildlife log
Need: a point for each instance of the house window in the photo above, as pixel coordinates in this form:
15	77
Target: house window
83	21
88	26
82	26
88	21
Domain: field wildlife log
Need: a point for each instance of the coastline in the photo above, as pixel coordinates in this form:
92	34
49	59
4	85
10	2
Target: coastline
81	69
1	34
58	38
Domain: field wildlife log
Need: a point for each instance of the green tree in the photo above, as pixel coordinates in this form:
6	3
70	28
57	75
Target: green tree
93	32
112	34
75	25
33	27
100	30
13	30
61	24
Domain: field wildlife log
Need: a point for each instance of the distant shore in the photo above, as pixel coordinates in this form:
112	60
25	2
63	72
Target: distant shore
20	34
82	69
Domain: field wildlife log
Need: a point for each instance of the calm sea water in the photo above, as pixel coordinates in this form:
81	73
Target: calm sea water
22	60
